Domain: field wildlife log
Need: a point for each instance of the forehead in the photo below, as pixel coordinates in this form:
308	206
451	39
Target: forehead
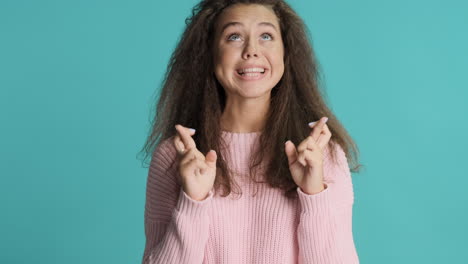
247	14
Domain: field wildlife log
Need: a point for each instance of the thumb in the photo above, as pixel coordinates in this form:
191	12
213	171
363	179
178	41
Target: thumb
291	153
211	158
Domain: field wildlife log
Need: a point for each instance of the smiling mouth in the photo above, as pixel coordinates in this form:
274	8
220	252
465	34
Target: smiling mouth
251	72
251	76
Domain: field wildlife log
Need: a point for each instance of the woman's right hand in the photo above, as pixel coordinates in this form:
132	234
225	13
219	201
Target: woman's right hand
197	171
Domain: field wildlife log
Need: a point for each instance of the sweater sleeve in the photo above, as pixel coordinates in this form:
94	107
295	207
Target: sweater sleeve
176	226
324	231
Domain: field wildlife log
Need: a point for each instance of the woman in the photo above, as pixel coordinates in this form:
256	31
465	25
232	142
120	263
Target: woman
241	87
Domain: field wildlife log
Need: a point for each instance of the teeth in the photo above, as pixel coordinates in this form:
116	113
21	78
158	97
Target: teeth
262	70
250	74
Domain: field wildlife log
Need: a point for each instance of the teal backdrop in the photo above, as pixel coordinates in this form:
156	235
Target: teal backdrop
77	80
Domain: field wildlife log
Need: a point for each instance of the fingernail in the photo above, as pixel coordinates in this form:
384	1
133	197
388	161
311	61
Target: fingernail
192	130
181	146
311	123
325	120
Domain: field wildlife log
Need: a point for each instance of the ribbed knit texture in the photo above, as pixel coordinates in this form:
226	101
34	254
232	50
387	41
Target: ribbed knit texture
265	228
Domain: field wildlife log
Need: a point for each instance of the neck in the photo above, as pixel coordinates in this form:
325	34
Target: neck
245	116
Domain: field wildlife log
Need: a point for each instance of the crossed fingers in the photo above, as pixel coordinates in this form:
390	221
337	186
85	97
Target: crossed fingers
320	132
185	145
316	141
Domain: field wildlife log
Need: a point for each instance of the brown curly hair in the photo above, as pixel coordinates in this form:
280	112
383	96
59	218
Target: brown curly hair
192	96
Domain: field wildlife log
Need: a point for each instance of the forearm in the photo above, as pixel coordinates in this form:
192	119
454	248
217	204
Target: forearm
186	234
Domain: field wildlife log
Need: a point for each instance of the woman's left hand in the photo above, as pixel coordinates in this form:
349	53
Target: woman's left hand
306	163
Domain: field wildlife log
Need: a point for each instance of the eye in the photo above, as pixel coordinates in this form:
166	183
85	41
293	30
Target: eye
267	35
235	35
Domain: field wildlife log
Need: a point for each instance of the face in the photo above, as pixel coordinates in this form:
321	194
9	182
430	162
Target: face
248	54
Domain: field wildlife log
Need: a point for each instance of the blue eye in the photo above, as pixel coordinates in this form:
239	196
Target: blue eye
267	34
235	34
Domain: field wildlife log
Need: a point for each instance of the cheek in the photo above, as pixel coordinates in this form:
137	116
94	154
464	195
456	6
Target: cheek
278	62
226	53
280	58
220	62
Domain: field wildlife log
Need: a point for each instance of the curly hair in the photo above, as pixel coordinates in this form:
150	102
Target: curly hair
192	96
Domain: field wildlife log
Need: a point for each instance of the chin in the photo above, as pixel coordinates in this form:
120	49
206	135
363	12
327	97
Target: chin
254	92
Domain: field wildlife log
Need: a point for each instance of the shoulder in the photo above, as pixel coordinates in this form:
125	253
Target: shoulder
334	153
335	161
164	154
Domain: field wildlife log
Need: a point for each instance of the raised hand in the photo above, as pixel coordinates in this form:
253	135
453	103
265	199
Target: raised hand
197	171
306	163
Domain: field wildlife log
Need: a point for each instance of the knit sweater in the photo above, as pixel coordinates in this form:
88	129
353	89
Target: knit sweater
262	226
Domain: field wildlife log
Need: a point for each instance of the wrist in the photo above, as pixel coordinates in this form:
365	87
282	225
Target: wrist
314	190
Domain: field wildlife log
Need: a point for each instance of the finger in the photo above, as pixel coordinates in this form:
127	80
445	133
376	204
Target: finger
324	137
312	124
291	153
317	128
211	158
301	158
307	143
181	150
179	146
186	136
194	153
309	158
198	154
188	156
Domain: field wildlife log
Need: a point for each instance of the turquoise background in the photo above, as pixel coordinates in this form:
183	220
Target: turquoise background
77	79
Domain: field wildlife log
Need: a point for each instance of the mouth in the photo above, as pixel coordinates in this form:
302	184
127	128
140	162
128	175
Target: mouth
251	71
251	75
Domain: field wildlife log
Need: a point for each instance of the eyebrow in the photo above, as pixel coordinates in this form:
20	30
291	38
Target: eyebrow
234	23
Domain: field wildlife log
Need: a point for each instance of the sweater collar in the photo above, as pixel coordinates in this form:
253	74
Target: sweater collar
238	149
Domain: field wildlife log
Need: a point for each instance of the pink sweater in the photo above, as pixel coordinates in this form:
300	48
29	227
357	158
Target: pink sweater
265	228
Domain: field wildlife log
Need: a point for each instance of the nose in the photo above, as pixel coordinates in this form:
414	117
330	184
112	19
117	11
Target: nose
250	50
